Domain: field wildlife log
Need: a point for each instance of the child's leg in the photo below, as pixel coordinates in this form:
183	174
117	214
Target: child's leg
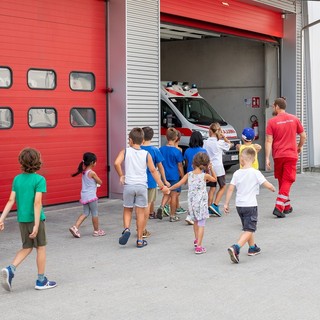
211	195
219	195
95	223
141	220
195	230
127	216
41	259
173	203
20	256
246	236
79	221
201	225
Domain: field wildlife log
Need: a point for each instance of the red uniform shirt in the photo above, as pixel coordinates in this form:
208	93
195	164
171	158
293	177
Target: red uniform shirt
284	129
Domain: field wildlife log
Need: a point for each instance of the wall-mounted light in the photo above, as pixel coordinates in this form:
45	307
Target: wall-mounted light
225	3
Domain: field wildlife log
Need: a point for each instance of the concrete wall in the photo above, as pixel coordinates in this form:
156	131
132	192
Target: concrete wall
227	71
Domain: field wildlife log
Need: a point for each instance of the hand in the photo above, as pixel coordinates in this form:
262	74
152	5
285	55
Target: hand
268	166
167	183
1	225
122	179
299	149
165	190
34	233
226	208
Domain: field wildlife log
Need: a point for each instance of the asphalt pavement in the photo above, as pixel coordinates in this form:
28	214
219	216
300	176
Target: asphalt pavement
99	279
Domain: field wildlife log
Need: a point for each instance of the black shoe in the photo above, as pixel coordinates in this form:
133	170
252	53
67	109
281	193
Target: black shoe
234	254
288	211
278	213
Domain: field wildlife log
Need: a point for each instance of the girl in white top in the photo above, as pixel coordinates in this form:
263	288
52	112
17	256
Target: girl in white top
89	199
215	145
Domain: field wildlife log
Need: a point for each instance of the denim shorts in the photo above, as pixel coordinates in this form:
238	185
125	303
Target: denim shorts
172	182
249	218
135	195
91	207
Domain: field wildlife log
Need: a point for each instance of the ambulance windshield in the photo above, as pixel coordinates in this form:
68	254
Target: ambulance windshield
197	111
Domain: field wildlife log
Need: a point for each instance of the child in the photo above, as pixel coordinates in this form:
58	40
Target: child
135	191
174	170
198	196
215	145
89	199
152	185
247	138
246	181
195	146
27	189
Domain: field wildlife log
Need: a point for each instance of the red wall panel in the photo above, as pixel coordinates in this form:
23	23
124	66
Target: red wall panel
238	18
63	36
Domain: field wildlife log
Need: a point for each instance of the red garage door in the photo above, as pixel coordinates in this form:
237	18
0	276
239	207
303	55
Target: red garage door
52	90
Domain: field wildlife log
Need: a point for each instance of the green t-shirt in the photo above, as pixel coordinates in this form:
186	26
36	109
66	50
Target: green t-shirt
25	185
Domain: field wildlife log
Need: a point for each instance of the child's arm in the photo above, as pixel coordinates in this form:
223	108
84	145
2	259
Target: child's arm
238	147
257	147
180	183
117	165
209	177
269	186
180	168
213	174
37	211
94	176
163	174
155	175
228	198
7	209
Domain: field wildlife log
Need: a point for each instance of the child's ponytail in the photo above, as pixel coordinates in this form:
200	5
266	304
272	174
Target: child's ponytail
88	159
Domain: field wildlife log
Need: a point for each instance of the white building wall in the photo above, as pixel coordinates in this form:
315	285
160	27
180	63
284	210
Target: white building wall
314	108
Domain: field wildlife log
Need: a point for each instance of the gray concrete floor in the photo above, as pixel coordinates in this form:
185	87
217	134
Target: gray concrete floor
98	279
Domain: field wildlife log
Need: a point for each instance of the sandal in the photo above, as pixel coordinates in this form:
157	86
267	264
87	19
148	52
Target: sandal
74	231
125	236
98	233
141	243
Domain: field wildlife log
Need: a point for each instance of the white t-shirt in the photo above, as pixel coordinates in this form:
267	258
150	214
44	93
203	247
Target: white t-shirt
247	182
135	166
215	149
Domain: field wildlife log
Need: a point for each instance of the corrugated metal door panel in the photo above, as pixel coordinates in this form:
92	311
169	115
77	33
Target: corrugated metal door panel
236	14
287	5
143	61
301	109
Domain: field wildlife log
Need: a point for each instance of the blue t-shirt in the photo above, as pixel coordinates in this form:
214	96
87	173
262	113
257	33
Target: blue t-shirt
156	158
190	153
172	156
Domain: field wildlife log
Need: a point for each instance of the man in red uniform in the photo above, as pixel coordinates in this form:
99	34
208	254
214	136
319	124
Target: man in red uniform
281	134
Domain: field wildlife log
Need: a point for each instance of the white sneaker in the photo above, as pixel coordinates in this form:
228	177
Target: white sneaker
188	220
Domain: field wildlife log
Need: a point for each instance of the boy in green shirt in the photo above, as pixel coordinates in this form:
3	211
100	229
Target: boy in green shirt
27	189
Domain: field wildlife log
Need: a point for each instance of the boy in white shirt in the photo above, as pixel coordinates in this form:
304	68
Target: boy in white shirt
247	181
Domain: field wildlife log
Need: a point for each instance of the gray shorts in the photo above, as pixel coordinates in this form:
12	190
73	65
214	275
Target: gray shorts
91	207
249	218
135	195
220	180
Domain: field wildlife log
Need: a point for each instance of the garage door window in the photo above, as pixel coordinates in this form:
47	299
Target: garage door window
5	77
6	118
82	117
42	117
41	79
82	81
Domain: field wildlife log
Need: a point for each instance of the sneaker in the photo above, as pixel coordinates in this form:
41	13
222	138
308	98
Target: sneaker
188	220
181	210
278	213
160	212
124	236
200	250
152	215
174	219
166	210
74	231
146	233
6	277
195	243
288	210
45	284
234	254
215	210
99	233
254	251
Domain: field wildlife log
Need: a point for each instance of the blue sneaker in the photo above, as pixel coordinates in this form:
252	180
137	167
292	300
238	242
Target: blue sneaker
124	236
6	276
45	284
254	251
166	210
215	210
234	253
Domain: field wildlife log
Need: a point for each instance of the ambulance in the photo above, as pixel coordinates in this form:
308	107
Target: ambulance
183	108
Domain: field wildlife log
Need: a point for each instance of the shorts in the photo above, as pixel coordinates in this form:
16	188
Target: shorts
91	207
172	182
152	194
26	229
220	180
135	195
249	218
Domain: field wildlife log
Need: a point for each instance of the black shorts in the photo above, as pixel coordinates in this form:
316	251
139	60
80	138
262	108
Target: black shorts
249	218
220	180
